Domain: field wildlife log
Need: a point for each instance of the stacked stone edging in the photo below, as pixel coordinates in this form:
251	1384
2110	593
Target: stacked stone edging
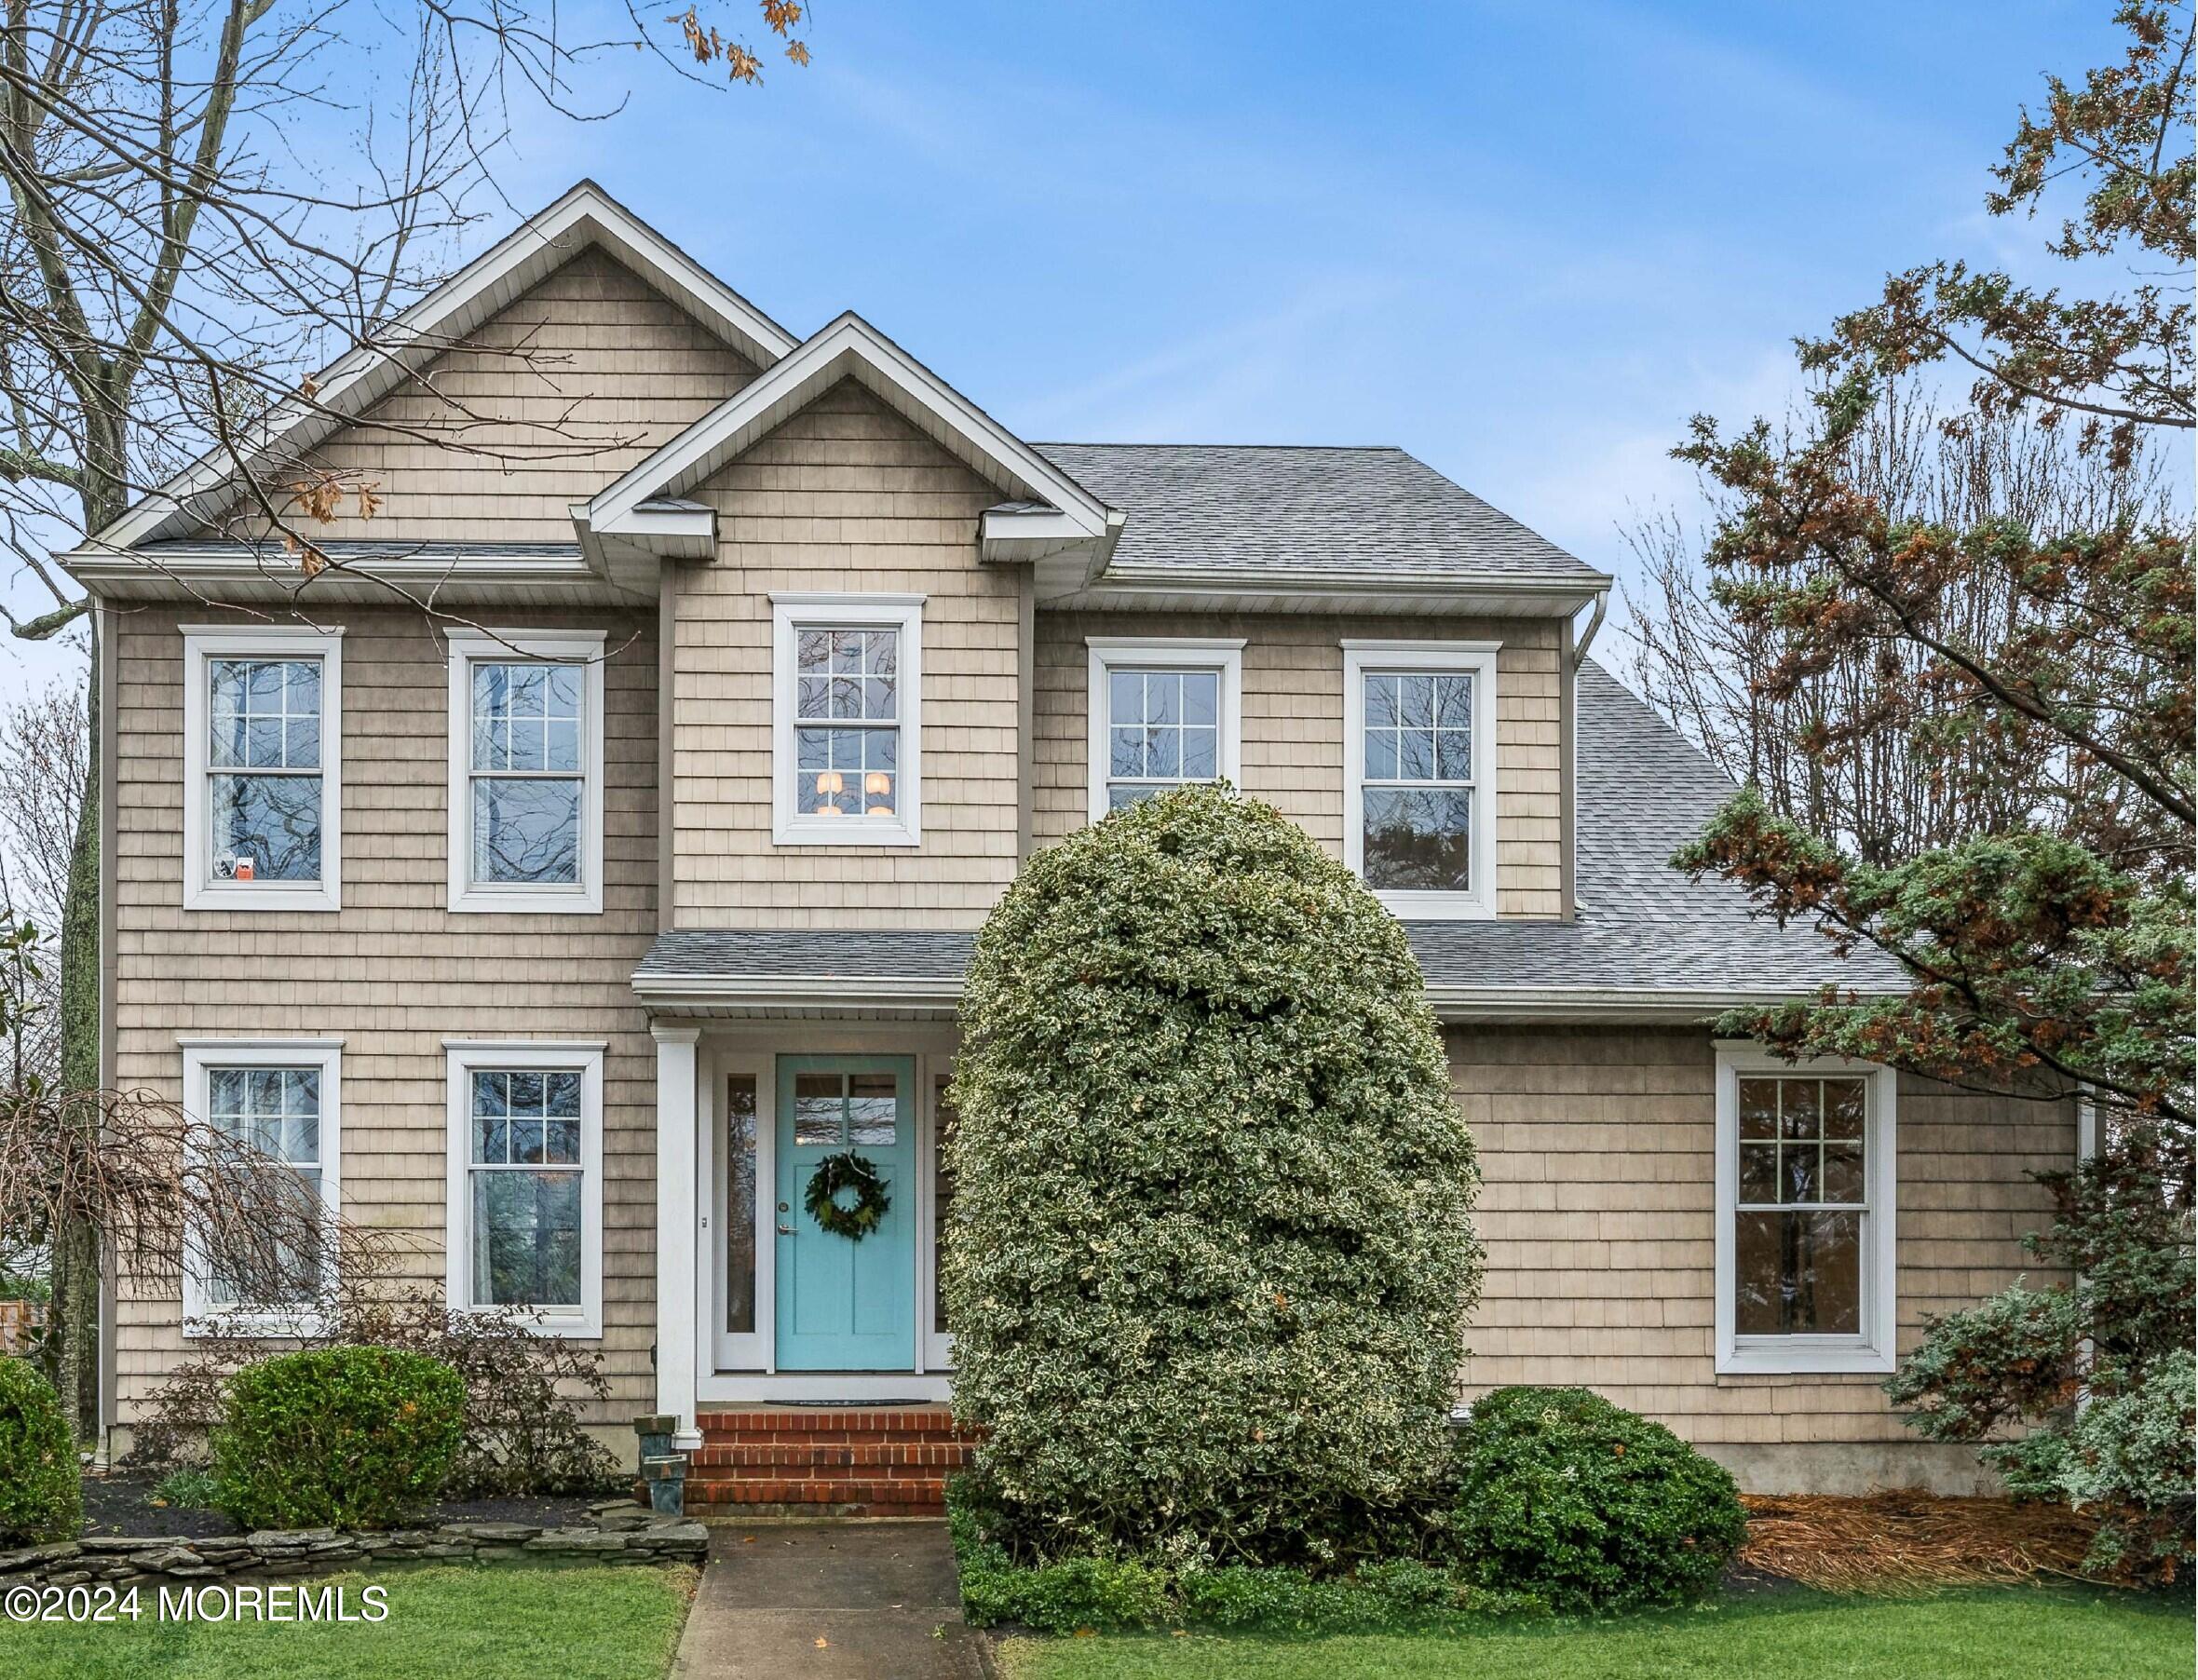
620	1532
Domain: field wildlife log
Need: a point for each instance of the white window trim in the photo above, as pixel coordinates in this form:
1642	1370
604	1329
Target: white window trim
1874	1350
202	1317
791	613
204	643
1224	653
585	896
462	1056
1359	657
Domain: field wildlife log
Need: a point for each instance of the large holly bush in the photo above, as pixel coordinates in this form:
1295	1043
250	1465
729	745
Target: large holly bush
337	1437
1587	1507
40	1495
1211	1251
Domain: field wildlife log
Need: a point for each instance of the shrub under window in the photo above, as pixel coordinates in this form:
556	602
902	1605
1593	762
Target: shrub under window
1587	1507
1211	1253
341	1437
40	1496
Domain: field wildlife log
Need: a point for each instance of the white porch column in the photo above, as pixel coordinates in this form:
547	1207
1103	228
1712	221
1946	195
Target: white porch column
678	1262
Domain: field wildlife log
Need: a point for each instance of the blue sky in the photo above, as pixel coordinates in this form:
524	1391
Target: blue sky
1525	242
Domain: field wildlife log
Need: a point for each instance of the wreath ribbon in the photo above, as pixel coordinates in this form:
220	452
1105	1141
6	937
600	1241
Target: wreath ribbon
848	1170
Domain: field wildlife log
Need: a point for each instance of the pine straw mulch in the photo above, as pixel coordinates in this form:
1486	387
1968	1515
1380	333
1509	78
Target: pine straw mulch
1908	1541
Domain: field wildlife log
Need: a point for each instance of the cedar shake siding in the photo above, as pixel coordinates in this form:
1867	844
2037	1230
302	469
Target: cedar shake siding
1293	725
1598	1209
573	384
393	973
846	496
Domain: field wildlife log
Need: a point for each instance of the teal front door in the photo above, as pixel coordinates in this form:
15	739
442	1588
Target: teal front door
847	1305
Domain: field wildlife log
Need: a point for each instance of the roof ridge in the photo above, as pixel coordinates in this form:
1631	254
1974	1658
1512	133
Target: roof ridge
1396	449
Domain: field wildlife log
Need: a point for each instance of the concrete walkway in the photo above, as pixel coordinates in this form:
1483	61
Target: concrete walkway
829	1601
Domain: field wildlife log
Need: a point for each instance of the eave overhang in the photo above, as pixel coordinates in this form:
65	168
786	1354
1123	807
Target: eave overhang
935	997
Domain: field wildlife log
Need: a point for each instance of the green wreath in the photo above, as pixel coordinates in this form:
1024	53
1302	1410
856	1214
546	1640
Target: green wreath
847	1171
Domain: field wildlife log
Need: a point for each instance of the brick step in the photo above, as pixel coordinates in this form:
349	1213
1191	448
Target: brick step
915	1489
810	1509
720	1477
825	1419
747	1455
831	1437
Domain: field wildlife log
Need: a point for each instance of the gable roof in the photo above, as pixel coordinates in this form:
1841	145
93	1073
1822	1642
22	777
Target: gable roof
1351	514
849	347
1646	940
583	217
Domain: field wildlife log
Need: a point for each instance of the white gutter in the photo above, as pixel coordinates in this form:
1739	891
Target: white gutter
1451	1003
1587	636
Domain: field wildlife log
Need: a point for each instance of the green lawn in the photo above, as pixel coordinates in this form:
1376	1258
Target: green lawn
2022	1635
584	1622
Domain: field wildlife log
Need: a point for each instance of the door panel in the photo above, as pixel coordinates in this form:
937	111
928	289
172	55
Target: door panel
844	1305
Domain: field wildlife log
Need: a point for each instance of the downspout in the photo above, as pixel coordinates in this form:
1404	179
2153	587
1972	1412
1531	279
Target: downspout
1587	637
1569	780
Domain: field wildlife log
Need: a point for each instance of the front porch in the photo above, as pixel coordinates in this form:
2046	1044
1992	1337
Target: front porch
760	1309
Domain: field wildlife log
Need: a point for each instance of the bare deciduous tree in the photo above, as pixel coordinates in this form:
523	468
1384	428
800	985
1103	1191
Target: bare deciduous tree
1888	793
205	200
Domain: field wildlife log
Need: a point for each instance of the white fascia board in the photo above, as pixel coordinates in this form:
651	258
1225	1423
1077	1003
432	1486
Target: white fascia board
1450	1003
584	215
849	347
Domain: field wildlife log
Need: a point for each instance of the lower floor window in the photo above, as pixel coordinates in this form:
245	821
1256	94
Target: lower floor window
272	1169
526	1193
1804	1252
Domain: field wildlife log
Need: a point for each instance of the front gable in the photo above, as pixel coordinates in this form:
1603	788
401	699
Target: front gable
557	394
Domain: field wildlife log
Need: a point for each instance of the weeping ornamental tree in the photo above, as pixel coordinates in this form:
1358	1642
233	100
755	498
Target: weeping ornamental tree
1212	1253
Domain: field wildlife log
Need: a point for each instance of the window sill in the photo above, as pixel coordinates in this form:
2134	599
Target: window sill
252	1326
572	1326
1436	906
324	899
567	901
1847	1358
856	833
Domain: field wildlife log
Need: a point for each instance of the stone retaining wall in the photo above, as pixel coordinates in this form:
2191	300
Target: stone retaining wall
618	1532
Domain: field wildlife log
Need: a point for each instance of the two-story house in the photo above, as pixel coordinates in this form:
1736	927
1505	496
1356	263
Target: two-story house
600	844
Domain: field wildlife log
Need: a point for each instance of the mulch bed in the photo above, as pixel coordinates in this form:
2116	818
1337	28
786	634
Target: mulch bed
1909	1541
119	1503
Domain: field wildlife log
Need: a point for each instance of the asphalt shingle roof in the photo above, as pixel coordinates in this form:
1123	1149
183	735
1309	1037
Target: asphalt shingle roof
1366	512
1641	926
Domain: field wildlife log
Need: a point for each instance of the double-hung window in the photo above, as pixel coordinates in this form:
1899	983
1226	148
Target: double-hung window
1805	1215
1420	727
1165	712
846	716
525	1201
262	744
526	771
277	1108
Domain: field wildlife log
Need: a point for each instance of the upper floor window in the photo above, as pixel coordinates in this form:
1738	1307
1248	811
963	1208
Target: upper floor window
525	1199
526	770
1805	1183
1418	795
1164	711
280	1101
846	698
263	735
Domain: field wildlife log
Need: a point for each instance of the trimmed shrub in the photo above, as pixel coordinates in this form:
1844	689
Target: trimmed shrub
340	1438
1124	1594
41	1498
1211	1251
1585	1506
